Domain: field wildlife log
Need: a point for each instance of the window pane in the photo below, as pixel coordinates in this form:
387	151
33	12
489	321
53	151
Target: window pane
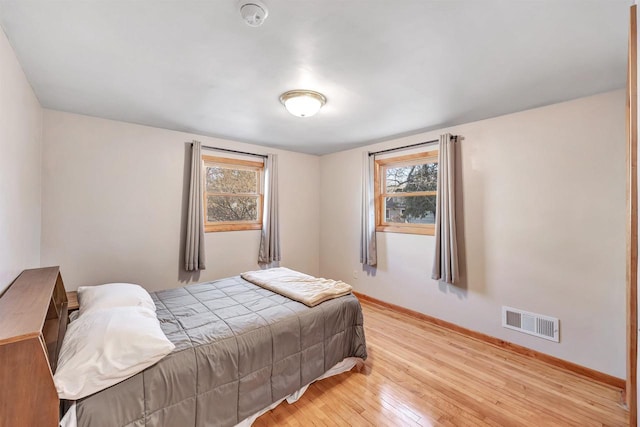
232	208
411	209
229	180
412	178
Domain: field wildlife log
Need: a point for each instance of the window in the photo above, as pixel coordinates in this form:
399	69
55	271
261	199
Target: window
233	194
405	191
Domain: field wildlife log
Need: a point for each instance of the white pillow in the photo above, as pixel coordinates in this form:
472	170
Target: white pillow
113	295
105	347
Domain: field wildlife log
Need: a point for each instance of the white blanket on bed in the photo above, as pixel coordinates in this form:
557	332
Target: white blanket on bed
298	286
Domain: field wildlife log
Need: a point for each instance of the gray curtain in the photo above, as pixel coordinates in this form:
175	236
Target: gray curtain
194	247
368	251
445	263
270	239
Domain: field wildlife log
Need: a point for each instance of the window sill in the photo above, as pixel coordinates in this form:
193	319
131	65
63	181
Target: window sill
427	230
231	227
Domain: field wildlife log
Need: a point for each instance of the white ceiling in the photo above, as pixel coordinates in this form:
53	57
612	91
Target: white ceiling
387	68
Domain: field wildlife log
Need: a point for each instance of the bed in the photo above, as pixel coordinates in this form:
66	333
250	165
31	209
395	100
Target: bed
239	350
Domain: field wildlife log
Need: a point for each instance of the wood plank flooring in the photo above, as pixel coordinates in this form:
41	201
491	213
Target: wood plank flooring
419	374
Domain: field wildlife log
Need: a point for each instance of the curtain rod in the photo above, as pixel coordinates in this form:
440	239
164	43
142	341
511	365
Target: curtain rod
228	150
404	147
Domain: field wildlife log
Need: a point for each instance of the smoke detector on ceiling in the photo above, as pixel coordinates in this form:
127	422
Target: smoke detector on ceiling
253	12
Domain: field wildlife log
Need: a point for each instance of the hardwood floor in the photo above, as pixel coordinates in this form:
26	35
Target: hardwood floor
419	374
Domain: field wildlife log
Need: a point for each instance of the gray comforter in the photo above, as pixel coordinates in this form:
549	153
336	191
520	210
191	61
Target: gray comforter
239	348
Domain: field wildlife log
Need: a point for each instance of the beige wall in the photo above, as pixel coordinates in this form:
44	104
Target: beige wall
543	195
20	169
114	199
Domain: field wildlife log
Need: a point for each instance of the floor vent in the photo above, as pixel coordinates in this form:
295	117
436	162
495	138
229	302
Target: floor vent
530	323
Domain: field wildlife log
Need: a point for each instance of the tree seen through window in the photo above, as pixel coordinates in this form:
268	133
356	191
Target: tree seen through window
410	179
233	194
405	193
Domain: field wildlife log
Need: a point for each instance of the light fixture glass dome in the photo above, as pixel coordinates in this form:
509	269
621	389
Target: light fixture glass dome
303	103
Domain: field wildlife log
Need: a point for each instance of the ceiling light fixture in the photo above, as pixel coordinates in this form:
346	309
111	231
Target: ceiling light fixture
303	103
